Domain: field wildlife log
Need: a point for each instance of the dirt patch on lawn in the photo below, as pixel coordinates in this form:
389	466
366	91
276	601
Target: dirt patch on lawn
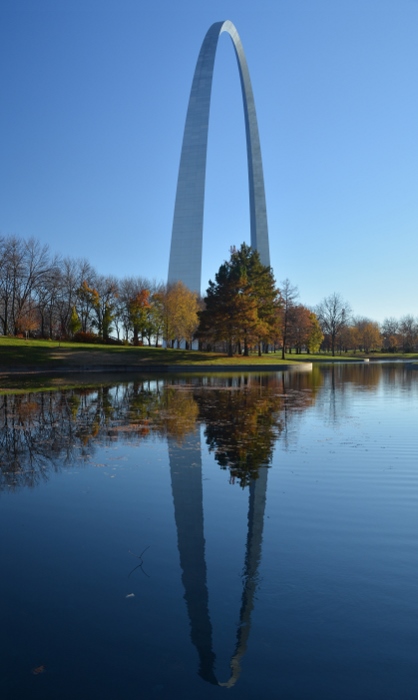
96	357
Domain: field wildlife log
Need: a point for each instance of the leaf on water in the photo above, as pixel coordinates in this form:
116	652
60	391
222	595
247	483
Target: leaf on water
39	669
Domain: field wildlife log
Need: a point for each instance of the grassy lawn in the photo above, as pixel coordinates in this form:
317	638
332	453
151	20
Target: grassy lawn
17	353
351	356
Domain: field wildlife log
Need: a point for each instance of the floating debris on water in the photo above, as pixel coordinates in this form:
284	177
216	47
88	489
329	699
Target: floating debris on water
39	669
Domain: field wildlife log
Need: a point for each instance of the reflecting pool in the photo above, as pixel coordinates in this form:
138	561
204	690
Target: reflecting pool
252	535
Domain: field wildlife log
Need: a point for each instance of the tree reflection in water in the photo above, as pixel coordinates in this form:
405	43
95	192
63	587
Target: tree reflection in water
242	421
44	431
242	418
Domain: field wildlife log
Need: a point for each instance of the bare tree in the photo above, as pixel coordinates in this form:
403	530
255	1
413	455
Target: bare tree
10	268
288	295
35	269
408	331
73	272
47	298
23	267
333	314
390	333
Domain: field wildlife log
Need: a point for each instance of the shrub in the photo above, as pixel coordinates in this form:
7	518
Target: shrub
86	337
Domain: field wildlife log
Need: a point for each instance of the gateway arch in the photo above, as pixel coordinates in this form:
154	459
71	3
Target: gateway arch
186	241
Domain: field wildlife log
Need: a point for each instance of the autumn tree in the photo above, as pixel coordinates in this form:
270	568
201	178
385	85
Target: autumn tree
367	334
178	306
219	320
261	288
132	310
348	339
139	306
240	307
74	324
155	316
104	303
333	314
315	336
304	329
28	319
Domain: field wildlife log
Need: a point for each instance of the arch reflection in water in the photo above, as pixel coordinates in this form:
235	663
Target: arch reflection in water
242	418
186	481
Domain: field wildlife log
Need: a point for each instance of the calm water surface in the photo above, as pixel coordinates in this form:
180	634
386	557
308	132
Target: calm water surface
247	536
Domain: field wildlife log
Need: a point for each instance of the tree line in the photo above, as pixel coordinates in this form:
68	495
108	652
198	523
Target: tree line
243	311
343	331
52	297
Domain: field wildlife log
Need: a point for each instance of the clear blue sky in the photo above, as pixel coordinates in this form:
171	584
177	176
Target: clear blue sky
93	102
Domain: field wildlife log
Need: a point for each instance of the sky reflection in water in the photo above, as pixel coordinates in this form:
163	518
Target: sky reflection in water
176	538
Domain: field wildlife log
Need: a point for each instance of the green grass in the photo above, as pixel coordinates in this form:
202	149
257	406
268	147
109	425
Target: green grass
19	357
17	353
21	384
350	356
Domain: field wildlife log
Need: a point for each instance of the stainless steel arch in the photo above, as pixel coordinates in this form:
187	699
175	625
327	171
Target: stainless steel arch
186	241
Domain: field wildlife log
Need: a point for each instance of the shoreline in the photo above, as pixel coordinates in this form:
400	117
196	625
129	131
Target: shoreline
195	368
151	368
